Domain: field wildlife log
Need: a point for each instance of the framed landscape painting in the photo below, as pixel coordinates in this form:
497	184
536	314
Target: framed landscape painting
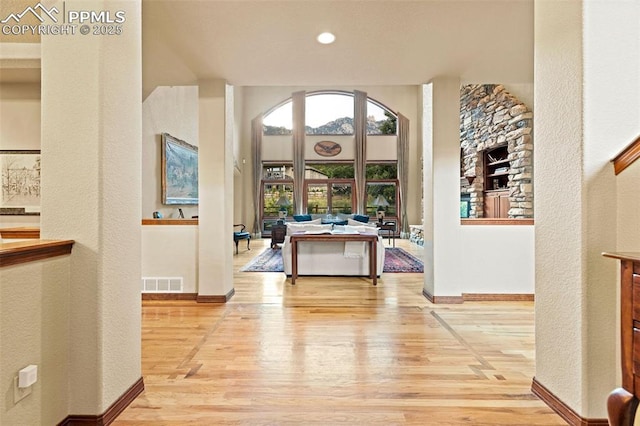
179	171
20	194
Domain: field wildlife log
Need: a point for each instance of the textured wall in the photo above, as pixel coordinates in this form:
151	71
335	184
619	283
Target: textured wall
172	110
35	333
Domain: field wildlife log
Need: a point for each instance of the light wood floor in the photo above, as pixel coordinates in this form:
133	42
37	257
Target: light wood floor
336	351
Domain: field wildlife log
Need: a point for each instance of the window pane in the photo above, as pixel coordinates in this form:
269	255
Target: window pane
275	197
329	114
341	198
329	171
279	121
317	198
277	171
381	195
382	171
379	120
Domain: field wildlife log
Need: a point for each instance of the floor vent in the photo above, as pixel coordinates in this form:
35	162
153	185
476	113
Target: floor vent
162	284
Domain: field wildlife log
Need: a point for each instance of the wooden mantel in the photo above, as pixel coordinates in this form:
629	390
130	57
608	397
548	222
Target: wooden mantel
628	155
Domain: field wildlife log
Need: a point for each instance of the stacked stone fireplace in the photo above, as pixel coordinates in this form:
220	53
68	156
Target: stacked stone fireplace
490	117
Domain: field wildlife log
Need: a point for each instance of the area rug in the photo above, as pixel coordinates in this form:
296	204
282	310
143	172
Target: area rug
395	260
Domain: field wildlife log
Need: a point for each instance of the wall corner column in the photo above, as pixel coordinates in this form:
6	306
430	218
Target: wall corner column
215	175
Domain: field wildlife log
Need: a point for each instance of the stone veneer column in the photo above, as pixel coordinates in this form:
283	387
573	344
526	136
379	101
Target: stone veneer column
91	154
215	175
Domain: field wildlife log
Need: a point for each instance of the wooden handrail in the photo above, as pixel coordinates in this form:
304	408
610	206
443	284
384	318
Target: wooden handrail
32	250
20	233
628	155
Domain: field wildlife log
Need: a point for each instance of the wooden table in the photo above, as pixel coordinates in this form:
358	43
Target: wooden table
390	227
622	402
372	239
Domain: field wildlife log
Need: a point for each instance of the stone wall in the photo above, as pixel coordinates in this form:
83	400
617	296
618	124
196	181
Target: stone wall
491	117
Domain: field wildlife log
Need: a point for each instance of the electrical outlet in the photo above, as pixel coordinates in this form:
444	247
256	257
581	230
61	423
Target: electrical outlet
20	393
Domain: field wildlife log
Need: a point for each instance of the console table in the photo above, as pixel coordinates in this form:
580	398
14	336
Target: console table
371	239
622	402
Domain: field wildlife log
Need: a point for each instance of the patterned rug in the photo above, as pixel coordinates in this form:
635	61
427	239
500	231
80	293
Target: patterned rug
395	260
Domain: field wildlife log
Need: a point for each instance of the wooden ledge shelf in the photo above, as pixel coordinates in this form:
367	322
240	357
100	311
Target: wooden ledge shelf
169	221
30	251
20	233
628	155
496	221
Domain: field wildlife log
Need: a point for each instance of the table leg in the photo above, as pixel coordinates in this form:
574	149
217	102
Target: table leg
294	262
373	260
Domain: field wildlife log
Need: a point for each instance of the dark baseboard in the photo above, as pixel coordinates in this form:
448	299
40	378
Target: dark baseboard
169	296
498	297
216	299
562	409
112	412
445	300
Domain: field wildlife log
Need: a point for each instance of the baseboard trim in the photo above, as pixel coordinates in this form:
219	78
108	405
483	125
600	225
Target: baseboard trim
498	297
112	412
562	409
169	296
444	300
216	299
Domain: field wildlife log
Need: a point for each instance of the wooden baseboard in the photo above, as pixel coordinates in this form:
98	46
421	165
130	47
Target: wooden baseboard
444	300
216	299
169	296
498	297
112	412
562	409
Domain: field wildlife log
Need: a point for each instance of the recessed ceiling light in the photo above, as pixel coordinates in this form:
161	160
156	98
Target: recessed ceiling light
326	38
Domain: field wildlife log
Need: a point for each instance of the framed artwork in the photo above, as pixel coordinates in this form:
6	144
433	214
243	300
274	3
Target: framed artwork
179	171
20	193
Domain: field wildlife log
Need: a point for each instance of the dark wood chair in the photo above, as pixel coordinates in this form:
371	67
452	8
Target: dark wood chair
241	235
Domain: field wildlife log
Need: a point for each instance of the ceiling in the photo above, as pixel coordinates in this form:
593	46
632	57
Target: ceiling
379	42
393	42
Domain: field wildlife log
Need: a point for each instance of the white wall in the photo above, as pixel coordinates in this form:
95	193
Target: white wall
171	251
35	333
19	129
597	99
91	155
469	258
172	110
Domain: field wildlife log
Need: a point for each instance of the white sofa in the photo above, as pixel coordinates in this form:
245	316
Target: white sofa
328	258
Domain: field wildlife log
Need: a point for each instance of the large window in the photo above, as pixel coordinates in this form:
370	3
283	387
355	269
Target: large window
331	197
279	121
329	113
382	189
277	190
329	185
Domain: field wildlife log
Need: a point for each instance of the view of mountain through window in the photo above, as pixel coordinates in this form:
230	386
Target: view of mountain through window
329	114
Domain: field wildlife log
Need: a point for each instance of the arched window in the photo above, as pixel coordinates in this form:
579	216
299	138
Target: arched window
329	184
329	113
279	121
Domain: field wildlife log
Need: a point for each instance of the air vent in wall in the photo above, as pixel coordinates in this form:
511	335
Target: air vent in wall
162	284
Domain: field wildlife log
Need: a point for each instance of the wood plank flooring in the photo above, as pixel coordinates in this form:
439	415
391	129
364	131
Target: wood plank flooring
336	351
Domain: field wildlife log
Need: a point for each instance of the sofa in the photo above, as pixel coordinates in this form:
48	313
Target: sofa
330	258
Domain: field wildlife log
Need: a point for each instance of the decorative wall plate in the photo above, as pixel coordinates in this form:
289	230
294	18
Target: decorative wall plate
327	148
